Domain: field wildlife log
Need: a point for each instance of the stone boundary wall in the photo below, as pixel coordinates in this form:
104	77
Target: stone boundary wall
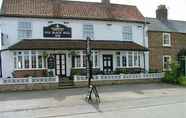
28	87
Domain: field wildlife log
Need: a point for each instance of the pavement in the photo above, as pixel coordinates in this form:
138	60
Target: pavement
118	101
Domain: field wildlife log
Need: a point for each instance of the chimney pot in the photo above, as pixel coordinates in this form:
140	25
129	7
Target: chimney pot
106	2
162	13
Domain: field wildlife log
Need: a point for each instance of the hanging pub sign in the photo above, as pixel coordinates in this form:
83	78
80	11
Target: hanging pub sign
51	62
57	31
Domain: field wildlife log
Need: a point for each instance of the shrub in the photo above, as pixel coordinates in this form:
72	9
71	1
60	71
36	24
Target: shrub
128	70
172	75
182	80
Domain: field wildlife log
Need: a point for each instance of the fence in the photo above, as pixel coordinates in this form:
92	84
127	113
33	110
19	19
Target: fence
29	80
154	76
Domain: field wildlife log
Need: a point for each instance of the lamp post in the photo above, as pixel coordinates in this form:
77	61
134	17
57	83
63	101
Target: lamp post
92	88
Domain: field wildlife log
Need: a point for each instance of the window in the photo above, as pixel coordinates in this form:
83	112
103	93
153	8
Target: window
166	62
118	59
135	59
96	58
20	60
166	39
33	59
88	31
124	60
24	30
127	33
28	60
130	59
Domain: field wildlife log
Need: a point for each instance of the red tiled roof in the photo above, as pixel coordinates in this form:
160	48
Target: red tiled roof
70	10
61	44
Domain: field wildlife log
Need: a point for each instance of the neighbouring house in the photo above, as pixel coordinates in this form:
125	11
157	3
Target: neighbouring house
48	38
166	39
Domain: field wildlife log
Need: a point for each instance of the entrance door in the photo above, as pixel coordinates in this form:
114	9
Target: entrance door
60	68
107	64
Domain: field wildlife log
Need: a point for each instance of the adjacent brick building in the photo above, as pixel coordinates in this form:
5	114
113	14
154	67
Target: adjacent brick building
166	39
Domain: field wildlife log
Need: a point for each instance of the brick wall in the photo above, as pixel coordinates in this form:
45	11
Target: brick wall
178	42
33	73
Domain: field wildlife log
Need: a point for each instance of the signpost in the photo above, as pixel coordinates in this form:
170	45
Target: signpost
92	88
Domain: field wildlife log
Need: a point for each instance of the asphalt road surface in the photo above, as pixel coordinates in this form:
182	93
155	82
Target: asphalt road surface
119	101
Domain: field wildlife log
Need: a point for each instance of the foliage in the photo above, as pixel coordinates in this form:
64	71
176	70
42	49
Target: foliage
172	75
182	80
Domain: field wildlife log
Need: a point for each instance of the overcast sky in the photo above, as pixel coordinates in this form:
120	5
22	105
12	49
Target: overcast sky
176	8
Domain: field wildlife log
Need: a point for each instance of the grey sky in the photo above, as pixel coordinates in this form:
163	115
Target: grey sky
147	7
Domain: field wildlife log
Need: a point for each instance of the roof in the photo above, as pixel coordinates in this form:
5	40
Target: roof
70	10
167	26
61	44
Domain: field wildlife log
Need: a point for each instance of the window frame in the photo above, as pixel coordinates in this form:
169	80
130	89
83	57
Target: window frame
89	32
24	29
169	40
127	34
165	56
30	60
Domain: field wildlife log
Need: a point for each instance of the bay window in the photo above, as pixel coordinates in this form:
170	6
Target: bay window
128	59
28	60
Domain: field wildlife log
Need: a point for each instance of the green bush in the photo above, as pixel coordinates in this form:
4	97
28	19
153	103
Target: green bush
128	70
182	80
172	75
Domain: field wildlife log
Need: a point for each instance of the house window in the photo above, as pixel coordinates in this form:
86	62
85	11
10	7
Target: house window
135	59
118	59
127	33
28	60
88	31
124	60
96	58
166	39
24	30
130	59
166	62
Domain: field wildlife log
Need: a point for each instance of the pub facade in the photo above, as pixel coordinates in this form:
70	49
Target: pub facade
48	38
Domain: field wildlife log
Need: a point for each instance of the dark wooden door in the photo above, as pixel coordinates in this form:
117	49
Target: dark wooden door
107	64
60	65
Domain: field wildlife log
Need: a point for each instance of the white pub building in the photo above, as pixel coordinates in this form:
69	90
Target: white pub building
48	38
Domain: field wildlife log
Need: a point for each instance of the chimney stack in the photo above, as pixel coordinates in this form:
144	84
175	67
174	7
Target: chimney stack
106	2
162	13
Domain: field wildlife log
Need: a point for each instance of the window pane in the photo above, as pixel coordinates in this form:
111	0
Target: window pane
127	33
20	63
124	61
118	60
88	31
40	61
135	59
130	60
33	61
24	30
26	60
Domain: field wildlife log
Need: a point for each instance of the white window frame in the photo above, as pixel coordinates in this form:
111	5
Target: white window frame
165	56
30	61
169	44
22	29
127	34
88	33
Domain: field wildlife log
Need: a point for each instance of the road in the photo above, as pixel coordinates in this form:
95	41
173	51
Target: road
121	101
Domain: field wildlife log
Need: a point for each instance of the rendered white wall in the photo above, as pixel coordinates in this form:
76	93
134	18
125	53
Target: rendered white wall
101	30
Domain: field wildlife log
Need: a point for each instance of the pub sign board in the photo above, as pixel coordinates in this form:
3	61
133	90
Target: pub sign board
57	31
